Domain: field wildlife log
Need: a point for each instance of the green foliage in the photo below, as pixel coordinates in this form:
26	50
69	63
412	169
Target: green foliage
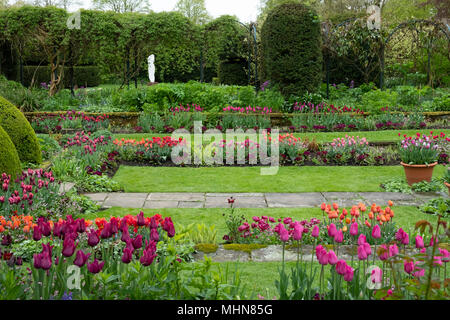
232	72
200	233
20	131
291	49
95	183
25	99
86	76
433	206
9	159
49	146
400	185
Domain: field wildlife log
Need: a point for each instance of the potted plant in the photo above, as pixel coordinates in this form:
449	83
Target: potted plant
447	179
419	157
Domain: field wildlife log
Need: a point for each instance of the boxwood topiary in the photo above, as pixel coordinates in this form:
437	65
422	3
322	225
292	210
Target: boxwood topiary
9	159
291	49
20	131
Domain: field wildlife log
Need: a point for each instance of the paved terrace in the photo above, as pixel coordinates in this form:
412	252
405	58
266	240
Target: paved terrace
255	200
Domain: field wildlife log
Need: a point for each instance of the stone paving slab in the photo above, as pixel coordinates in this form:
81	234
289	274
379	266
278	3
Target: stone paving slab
190	204
294	200
256	200
176	196
155	204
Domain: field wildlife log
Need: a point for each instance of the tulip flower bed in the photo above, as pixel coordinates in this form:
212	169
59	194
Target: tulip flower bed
32	192
124	258
402	275
293	151
69	120
424	149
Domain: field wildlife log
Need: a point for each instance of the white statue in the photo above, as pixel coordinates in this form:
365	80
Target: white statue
151	67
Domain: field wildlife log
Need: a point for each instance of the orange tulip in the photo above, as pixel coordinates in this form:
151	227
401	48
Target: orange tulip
323	206
388	217
378	218
330	216
347	220
335	206
26	229
2	229
387	210
378	209
370	215
381	223
383	218
367	223
390	203
344	212
392	213
344	229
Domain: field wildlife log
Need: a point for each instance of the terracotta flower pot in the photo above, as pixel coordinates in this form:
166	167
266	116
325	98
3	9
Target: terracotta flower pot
418	172
448	186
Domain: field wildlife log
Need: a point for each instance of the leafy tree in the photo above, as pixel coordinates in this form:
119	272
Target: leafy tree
194	10
121	6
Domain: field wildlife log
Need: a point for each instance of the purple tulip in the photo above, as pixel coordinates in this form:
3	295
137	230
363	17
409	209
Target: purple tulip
68	247
81	258
127	255
169	227
95	267
154	235
137	242
93	238
147	257
140	219
37	234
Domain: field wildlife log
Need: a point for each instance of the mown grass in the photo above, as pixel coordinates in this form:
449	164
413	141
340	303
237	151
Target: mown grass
372	136
249	179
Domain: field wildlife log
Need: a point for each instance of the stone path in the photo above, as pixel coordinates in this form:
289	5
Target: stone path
255	200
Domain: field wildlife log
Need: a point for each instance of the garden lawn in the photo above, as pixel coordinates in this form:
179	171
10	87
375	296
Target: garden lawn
372	136
405	217
248	179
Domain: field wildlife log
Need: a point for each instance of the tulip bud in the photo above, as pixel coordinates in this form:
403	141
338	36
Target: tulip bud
419	242
315	231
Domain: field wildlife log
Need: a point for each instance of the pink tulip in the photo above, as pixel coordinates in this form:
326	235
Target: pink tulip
367	248
361	239
315	231
362	254
332	230
445	255
377	275
409	266
339	237
393	250
348	276
376	232
332	258
419	242
284	234
322	255
341	267
298	231
419	273
354	229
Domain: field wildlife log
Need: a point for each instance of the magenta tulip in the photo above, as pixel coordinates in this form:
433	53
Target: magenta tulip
298	231
154	235
332	230
341	267
332	258
315	231
409	267
419	242
385	252
140	219
169	227
376	232
339	237
361	239
137	242
354	229
367	248
147	258
284	234
348	276
393	250
362	254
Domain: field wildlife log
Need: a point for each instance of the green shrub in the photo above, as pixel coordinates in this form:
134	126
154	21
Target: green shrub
291	49
9	159
232	72
82	76
26	99
20	131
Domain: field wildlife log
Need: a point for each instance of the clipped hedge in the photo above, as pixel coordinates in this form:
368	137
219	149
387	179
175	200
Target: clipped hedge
233	72
82	76
291	49
20	131
9	159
